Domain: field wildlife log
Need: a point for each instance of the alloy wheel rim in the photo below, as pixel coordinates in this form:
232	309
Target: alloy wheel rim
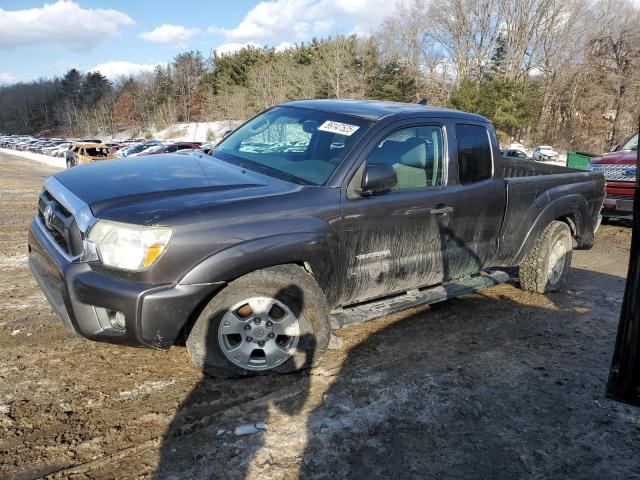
258	333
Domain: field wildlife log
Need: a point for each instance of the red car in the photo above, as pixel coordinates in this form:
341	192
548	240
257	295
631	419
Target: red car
619	169
170	148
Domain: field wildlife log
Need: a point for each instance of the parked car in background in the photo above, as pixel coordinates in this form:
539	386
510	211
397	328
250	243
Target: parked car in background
84	153
170	148
135	148
515	154
518	146
59	150
619	170
544	153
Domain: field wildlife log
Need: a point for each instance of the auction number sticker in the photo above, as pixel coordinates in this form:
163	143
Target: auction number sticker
338	127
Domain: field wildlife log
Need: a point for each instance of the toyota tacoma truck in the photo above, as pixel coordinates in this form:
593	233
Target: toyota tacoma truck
311	216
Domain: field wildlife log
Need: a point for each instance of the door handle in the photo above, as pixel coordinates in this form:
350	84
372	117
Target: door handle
441	210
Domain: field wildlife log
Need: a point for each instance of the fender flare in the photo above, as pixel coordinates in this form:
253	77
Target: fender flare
238	260
575	210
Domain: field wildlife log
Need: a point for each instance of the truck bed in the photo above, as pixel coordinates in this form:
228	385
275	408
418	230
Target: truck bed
538	193
512	167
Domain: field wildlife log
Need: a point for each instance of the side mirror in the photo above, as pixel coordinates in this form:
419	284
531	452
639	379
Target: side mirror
615	148
378	179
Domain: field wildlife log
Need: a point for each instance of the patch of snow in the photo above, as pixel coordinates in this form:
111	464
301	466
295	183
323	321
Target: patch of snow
56	162
15	332
13	262
147	387
196	131
249	428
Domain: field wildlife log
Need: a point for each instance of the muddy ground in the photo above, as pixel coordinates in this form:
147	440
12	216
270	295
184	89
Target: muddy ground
500	384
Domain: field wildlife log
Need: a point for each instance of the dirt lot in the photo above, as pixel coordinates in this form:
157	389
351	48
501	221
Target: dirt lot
501	384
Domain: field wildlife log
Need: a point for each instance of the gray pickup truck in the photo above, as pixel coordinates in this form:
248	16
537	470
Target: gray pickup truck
311	216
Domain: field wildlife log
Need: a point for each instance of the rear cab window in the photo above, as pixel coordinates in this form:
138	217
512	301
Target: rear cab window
475	158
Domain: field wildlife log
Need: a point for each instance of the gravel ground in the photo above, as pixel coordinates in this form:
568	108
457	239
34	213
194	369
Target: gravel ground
499	384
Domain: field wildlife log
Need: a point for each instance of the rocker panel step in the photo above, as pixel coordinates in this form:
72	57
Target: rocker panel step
345	317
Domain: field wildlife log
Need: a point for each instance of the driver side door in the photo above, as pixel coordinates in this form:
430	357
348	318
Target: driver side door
392	242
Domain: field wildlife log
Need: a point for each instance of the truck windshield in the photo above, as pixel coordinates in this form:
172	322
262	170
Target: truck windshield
631	144
300	145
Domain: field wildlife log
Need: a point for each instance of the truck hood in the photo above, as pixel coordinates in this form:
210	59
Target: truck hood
622	156
145	190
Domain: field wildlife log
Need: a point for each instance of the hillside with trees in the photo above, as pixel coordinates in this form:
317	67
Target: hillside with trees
544	71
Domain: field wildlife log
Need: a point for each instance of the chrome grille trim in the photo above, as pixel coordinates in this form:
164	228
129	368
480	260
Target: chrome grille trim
79	209
81	212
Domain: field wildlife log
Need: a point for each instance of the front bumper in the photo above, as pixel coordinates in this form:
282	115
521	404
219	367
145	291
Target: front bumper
154	314
619	199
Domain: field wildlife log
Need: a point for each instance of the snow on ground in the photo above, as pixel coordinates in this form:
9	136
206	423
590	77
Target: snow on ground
179	132
46	159
196	131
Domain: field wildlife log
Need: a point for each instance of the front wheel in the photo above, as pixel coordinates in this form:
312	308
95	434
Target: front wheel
270	320
546	267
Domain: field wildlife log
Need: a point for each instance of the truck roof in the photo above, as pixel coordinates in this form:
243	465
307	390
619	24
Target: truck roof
376	109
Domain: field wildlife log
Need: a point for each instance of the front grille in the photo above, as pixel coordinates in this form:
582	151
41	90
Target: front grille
618	172
61	226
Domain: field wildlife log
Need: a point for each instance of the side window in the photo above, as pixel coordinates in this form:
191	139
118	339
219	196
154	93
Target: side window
172	148
474	153
416	154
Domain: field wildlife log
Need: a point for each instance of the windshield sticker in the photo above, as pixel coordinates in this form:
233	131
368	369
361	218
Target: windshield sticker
338	127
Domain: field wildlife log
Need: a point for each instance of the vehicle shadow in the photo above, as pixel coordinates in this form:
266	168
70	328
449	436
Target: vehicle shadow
221	424
490	385
482	386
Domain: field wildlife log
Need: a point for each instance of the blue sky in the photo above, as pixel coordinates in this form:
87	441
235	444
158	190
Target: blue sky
43	39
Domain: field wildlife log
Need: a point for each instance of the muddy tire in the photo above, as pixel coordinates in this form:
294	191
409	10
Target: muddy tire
274	320
547	265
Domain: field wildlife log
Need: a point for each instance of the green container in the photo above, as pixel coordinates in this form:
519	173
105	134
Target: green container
579	160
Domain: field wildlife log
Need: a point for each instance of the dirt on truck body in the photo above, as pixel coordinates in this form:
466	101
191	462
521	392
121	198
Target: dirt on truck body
499	384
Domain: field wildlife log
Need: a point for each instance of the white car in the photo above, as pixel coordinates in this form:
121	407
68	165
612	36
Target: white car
519	147
544	152
60	150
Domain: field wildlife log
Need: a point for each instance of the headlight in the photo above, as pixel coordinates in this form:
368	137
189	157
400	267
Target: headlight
128	247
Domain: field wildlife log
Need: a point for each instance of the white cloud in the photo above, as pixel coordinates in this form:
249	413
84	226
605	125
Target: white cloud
233	47
116	69
167	33
277	21
282	46
63	23
7	78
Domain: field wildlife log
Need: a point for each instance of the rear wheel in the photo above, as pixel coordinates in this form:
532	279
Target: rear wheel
270	320
546	267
